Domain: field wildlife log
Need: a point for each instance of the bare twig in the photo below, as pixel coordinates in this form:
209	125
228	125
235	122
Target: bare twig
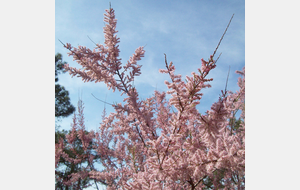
92	40
218	57
62	43
166	61
222	37
227	79
102	100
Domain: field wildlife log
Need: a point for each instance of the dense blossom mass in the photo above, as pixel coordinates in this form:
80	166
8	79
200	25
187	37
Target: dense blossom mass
156	143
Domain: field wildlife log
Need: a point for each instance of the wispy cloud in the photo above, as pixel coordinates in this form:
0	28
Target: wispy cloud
185	31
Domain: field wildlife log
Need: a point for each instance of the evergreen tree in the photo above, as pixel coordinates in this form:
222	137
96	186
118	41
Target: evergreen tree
156	143
72	170
63	106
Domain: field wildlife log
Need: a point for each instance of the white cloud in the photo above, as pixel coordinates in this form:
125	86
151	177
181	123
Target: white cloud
185	31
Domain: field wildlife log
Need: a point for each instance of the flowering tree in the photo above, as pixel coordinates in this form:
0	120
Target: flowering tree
158	143
74	151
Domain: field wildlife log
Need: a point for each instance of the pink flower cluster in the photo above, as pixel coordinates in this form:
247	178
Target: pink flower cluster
158	143
76	153
103	63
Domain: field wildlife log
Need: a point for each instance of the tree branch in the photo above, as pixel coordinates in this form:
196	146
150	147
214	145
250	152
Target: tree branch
222	37
102	100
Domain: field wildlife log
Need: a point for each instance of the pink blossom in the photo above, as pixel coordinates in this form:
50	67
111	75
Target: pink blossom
157	143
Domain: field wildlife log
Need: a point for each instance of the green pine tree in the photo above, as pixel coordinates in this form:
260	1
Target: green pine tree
63	106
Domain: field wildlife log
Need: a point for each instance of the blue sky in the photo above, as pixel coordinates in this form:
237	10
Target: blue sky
185	31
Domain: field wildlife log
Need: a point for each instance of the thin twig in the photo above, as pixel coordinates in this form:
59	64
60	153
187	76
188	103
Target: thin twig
62	43
227	80
222	36
92	40
166	61
102	100
218	57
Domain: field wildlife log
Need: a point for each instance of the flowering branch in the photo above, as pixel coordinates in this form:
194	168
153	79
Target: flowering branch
145	145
